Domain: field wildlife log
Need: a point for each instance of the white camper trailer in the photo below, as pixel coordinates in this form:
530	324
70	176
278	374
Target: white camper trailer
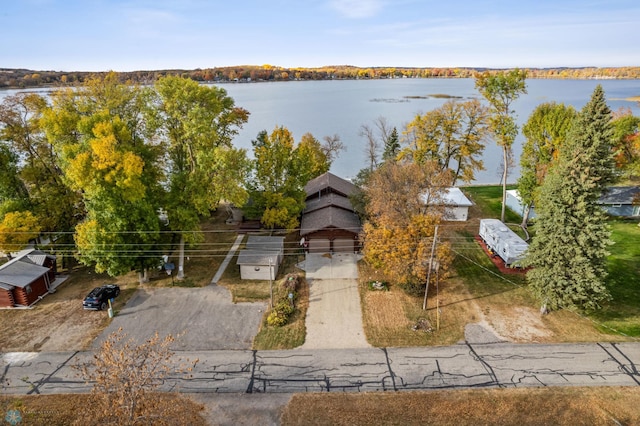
502	241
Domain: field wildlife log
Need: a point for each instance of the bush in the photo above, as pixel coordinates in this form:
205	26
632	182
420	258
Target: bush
413	288
280	314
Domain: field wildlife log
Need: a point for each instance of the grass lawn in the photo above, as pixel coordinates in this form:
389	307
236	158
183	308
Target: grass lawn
478	292
623	312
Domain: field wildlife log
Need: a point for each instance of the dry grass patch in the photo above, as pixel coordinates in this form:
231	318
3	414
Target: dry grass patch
557	406
68	326
389	316
53	410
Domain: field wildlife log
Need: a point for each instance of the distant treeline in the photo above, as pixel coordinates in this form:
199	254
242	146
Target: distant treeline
23	78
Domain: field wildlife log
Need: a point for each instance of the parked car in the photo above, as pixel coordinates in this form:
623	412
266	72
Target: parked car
98	298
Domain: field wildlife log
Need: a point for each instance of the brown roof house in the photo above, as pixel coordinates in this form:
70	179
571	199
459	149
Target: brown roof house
329	222
261	257
27	278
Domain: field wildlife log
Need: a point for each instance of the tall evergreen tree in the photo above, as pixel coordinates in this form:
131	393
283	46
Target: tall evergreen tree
568	254
391	146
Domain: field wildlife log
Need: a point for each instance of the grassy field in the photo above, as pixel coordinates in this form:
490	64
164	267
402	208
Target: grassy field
544	406
64	410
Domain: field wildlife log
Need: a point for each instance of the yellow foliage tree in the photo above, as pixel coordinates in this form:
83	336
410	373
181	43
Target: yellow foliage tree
399	234
16	229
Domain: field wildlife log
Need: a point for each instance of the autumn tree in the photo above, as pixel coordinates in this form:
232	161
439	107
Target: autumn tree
126	375
403	209
627	144
195	125
501	90
452	136
281	170
17	229
568	253
98	131
545	132
33	180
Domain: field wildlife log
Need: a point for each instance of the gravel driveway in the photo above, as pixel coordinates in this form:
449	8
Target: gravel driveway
206	316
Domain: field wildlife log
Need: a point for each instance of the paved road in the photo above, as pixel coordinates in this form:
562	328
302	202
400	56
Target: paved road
464	365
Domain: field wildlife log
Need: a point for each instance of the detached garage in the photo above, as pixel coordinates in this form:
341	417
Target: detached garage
258	265
261	258
329	222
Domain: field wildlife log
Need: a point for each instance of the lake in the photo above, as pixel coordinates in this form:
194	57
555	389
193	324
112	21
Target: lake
341	107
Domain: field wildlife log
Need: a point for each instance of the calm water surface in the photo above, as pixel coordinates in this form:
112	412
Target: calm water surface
341	107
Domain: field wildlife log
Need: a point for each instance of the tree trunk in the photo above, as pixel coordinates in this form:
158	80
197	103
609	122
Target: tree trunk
180	275
143	276
505	158
525	216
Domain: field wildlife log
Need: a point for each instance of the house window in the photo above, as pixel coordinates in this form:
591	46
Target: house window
28	289
636	211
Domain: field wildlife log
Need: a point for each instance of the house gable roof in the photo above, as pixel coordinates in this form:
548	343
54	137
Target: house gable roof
620	195
455	197
331	182
329	217
264	242
329	200
258	257
18	273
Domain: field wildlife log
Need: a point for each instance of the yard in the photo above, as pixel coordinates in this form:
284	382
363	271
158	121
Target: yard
478	293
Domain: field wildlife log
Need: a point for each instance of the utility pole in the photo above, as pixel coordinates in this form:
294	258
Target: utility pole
271	281
433	252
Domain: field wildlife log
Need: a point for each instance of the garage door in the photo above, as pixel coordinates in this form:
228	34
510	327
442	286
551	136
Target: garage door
319	245
343	245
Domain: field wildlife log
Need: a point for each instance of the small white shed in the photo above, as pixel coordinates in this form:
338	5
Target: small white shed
456	205
258	264
261	257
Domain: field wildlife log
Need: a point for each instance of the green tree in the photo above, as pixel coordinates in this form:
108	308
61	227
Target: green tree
98	131
36	181
452	135
310	158
281	170
546	132
196	125
568	253
391	146
501	90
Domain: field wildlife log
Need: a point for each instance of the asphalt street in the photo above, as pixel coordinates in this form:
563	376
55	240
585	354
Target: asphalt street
464	365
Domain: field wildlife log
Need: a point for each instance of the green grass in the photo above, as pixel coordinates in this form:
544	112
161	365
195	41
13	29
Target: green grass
292	334
489	200
621	315
623	312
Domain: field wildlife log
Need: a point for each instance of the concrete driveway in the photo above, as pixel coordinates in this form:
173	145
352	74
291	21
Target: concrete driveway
334	317
206	316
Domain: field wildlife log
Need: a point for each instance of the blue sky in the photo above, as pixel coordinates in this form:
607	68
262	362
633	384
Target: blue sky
126	35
